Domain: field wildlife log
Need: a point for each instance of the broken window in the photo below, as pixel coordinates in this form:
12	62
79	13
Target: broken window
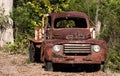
70	23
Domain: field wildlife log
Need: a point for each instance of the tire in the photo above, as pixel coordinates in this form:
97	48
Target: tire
32	53
102	67
48	66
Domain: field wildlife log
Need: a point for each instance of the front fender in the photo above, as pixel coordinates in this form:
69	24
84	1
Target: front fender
47	51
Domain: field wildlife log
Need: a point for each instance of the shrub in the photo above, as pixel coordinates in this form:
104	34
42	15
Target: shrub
113	61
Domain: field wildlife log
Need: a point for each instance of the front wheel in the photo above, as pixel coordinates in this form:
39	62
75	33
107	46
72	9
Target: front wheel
102	67
48	66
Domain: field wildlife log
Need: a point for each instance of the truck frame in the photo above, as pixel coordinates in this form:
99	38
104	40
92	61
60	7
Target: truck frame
67	38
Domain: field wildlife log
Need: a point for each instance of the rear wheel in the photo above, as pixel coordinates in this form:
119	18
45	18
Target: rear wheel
32	52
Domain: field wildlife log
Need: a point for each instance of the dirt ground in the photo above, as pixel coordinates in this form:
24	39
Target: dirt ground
19	65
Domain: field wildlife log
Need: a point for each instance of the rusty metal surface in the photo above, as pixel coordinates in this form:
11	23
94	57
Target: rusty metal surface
63	56
68	33
68	14
76	42
71	14
80	57
92	59
77	60
76	33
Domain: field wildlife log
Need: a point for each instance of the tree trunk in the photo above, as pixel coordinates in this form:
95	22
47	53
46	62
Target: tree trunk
6	33
97	22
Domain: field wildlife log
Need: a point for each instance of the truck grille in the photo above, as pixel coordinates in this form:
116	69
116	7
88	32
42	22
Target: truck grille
77	49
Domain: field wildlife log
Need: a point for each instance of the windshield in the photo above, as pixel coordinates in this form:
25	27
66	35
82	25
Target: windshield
70	23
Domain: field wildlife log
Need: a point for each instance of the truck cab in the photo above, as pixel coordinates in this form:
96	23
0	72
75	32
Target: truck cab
69	39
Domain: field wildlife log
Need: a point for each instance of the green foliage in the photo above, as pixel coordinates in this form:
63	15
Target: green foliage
22	29
109	15
20	46
40	8
22	19
113	61
87	6
65	24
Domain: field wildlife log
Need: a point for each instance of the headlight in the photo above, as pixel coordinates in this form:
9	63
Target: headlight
57	48
96	48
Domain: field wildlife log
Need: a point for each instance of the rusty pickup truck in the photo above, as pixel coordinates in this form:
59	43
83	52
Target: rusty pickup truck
67	38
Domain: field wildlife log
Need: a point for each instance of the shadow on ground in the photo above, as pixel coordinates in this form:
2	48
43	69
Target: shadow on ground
75	68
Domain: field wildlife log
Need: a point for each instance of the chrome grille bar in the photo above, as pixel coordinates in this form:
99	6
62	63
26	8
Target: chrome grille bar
77	48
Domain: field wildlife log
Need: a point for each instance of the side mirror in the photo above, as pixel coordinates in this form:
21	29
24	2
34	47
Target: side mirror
93	34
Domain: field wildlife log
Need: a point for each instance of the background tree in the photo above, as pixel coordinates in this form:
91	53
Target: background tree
6	23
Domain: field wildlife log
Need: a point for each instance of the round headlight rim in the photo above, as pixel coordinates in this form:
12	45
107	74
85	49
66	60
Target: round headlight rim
59	48
94	48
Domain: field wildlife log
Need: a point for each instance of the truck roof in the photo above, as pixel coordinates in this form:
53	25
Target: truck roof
68	14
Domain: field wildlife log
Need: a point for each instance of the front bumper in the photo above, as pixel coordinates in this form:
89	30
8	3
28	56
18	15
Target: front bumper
79	59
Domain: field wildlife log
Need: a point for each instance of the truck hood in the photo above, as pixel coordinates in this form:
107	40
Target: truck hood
71	33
